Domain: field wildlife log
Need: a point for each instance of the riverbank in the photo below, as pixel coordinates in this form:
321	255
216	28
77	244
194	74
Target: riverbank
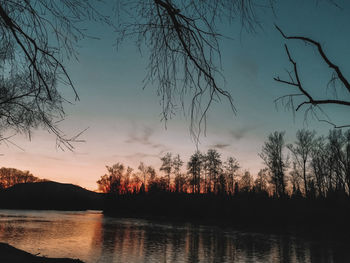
10	254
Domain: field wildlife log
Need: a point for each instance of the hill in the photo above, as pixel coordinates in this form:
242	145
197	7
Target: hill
10	254
49	195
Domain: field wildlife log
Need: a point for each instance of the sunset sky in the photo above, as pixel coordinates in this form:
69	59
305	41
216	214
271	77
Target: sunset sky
123	120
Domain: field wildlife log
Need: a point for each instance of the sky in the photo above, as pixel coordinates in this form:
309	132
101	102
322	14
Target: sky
124	120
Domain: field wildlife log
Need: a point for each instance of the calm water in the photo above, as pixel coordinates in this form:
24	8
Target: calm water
93	237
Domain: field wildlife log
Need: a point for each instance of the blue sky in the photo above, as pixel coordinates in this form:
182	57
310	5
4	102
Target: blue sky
124	120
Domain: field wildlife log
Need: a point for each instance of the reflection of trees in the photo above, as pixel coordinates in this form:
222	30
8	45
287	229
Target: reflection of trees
193	240
109	241
178	244
140	241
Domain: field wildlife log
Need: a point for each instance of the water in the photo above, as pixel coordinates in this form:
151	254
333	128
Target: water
93	237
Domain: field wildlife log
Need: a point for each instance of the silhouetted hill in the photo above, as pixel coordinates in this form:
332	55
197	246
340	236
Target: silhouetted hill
10	254
49	195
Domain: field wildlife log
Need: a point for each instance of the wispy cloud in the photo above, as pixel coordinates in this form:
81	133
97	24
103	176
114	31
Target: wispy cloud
142	136
240	133
220	146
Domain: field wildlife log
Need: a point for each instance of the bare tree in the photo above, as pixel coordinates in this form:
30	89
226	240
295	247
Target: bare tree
36	37
321	166
231	167
112	181
179	178
261	183
214	169
302	151
305	97
194	168
184	52
167	165
272	155
296	179
12	176
246	182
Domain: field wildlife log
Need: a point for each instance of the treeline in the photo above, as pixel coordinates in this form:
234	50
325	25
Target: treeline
205	173
304	187
11	176
313	166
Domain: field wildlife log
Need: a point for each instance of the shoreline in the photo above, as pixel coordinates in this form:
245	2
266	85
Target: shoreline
10	254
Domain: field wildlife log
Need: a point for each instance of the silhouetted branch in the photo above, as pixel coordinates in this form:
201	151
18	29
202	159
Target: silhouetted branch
35	36
184	50
295	80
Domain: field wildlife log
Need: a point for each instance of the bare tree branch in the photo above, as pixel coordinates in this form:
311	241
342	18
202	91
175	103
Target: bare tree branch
296	82
35	38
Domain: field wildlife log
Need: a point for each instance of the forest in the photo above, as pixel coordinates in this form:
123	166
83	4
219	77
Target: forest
304	186
311	167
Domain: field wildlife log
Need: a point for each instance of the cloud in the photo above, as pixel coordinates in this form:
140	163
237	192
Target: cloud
142	136
240	133
220	146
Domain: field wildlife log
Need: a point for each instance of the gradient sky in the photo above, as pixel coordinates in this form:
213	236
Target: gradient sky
124	120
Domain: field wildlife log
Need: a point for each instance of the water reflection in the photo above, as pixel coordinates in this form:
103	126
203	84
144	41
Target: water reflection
93	237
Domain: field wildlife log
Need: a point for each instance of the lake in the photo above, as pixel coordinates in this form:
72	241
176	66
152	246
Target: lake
95	238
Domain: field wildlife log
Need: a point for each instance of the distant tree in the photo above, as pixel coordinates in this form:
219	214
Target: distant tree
231	167
262	180
236	191
167	166
127	182
179	177
222	184
136	183
214	168
112	181
159	184
338	152
301	151
246	182
151	173
296	178
272	155
11	176
321	166
143	170
346	159
194	169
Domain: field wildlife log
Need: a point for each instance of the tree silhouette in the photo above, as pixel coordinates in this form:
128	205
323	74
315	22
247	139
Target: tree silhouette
167	165
313	101
246	182
112	182
194	167
230	167
36	36
11	176
183	41
272	154
302	151
261	183
214	168
179	178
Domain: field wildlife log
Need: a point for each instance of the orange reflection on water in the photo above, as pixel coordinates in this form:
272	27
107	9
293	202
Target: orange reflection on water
92	237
